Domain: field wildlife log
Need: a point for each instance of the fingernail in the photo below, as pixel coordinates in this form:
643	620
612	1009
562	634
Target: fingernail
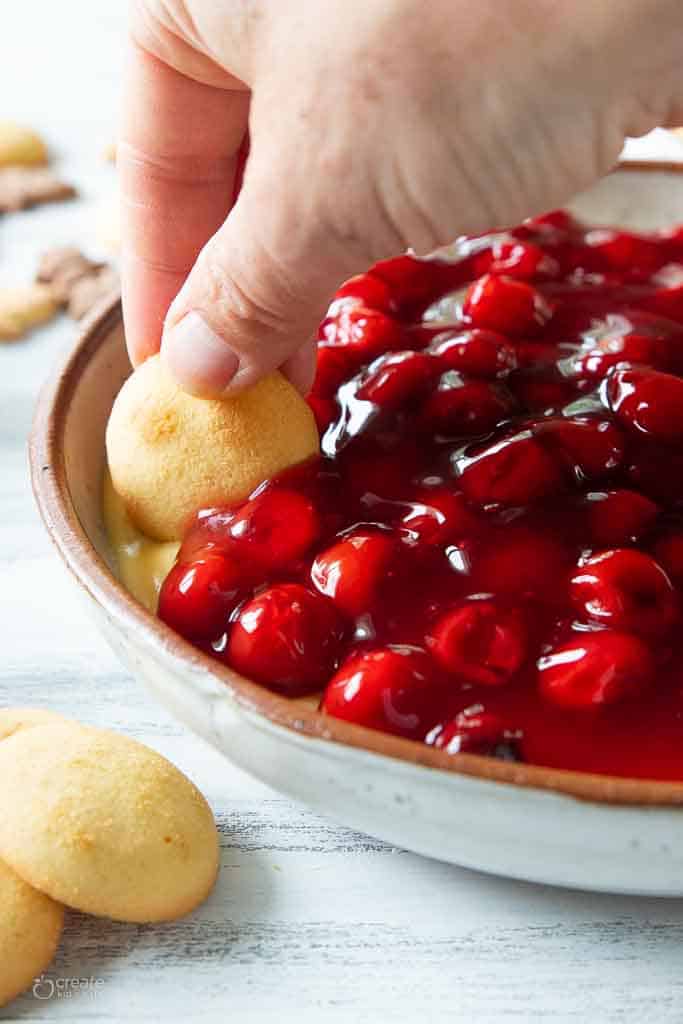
201	362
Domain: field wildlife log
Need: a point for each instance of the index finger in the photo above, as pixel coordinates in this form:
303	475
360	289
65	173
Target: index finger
177	160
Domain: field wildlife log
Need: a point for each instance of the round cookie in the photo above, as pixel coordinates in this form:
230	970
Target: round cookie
20	146
104	824
171	454
14	719
30	926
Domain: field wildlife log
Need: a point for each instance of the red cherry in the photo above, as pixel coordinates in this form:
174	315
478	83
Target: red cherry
391	688
503	304
589	446
542	389
325	410
369	469
352	571
472	731
197	597
629	337
668	552
624	251
514	258
397	378
365	332
477	353
479	643
515	470
667	302
364	290
561	220
416	283
594	669
274	529
461	407
287	638
208	535
522	561
647	402
625	589
538	354
437	516
656	471
335	364
617	517
597	362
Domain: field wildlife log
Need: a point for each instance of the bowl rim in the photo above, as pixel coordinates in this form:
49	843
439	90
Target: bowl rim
50	488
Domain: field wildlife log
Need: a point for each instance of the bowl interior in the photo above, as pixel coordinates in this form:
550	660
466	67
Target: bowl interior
103	370
68	463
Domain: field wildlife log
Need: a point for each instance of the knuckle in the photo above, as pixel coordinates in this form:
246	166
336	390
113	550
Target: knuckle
253	309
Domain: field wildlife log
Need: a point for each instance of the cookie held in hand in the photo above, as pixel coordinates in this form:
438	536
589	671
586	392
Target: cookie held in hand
171	454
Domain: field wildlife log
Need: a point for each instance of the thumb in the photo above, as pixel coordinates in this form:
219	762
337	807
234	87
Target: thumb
253	299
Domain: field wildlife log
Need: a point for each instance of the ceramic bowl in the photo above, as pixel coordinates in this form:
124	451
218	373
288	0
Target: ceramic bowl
528	822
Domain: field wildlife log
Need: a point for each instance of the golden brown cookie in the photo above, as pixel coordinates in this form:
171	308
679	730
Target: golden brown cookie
24	307
30	926
171	454
20	146
14	719
104	824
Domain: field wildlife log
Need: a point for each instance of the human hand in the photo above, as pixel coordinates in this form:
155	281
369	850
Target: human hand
374	126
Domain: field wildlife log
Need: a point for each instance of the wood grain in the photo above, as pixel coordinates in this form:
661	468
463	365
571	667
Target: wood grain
309	922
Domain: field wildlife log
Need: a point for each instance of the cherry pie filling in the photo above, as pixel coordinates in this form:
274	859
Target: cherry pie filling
488	555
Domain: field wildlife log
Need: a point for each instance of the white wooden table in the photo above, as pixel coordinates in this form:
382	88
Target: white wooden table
309	922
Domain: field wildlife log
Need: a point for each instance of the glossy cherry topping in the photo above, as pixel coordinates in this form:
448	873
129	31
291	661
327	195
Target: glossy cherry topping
394	688
488	555
286	637
474	731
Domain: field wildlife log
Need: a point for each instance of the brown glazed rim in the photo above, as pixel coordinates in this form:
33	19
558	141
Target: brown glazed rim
52	495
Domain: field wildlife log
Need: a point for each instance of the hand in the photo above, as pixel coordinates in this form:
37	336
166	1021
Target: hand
374	126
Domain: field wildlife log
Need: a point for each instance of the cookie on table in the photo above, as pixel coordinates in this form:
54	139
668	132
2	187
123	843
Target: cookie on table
15	719
24	307
104	824
30	927
20	146
171	454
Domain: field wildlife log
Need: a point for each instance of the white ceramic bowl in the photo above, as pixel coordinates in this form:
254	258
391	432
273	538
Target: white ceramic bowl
567	828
